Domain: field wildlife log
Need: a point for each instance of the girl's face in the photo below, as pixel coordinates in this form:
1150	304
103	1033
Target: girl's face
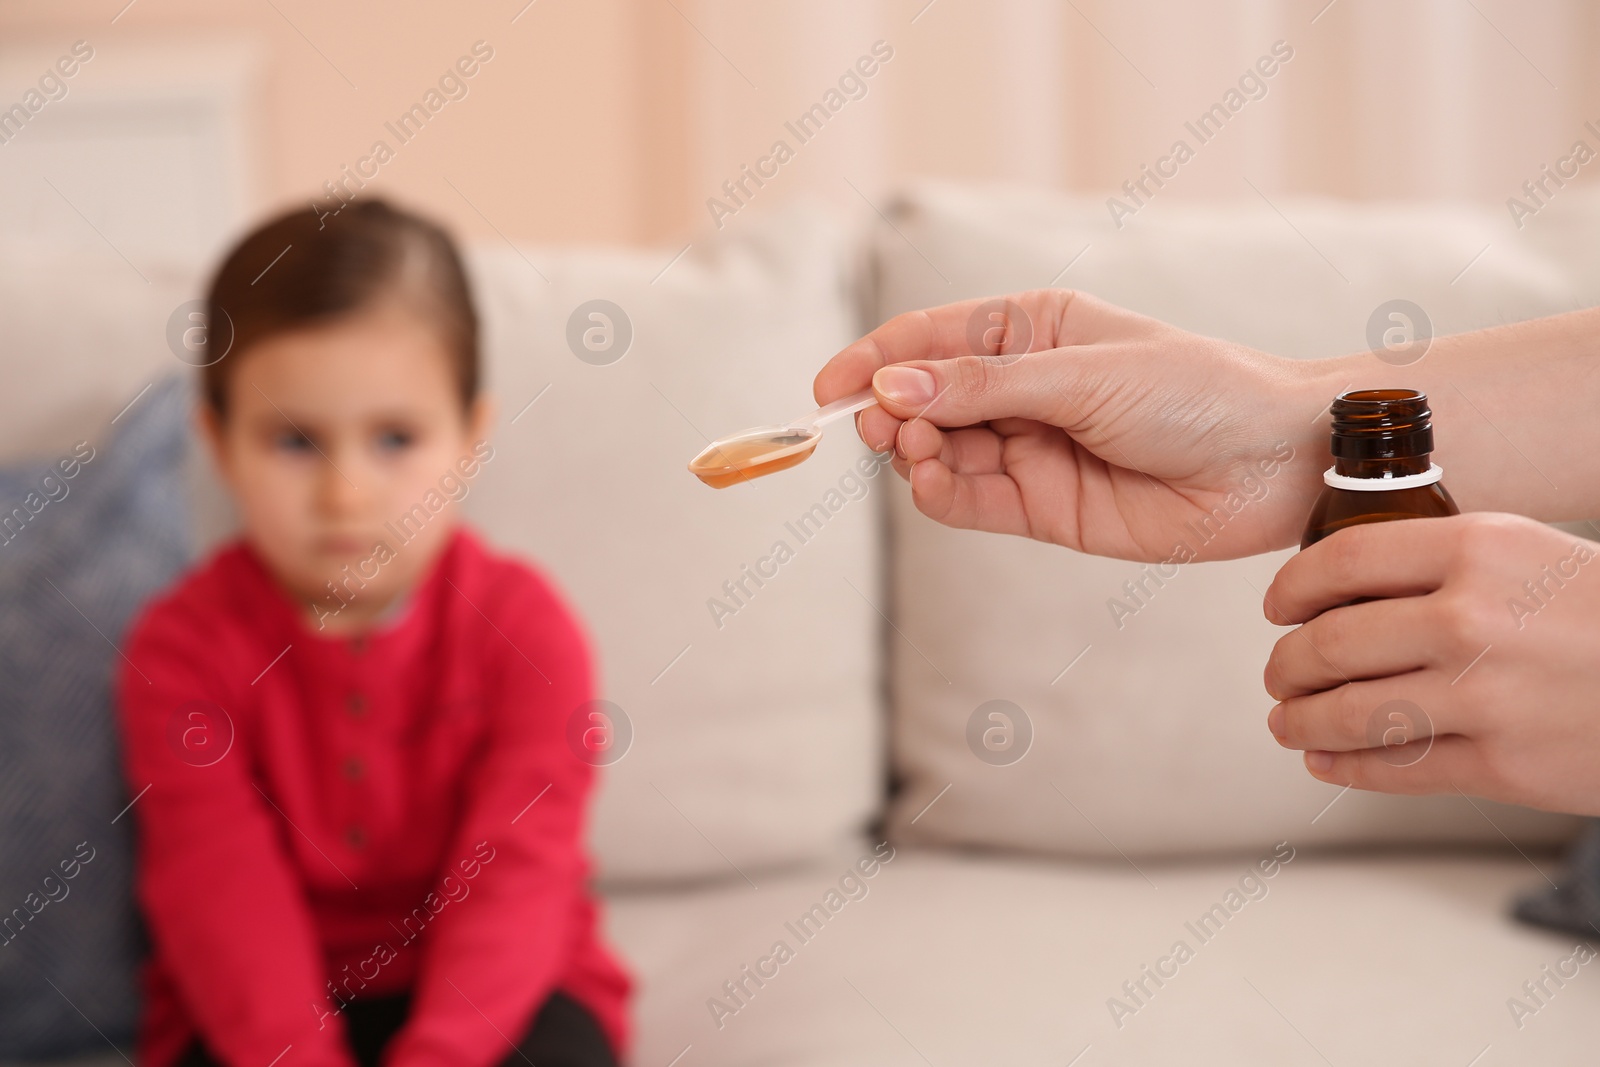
341	447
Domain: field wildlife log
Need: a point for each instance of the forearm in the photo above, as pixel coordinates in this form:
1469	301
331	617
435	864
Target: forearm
1514	412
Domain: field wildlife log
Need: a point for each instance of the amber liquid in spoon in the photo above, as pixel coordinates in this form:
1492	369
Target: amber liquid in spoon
765	449
742	459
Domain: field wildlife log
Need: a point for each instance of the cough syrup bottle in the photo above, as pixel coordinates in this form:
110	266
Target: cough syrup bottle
1382	464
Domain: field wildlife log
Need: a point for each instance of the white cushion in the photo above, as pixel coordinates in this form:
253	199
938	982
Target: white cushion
1156	740
762	744
84	336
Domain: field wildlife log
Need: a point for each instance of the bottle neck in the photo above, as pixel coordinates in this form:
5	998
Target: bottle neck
1384	467
1381	435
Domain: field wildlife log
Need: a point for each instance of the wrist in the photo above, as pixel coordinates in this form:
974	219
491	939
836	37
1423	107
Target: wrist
1308	394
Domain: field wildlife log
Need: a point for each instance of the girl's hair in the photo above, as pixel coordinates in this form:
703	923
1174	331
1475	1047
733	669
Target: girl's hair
305	269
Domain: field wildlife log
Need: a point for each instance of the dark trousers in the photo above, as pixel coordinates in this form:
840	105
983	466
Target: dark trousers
563	1034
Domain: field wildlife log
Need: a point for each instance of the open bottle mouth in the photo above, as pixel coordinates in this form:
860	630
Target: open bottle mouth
1381	424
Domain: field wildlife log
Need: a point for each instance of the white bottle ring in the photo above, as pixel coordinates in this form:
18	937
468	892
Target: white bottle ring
1382	485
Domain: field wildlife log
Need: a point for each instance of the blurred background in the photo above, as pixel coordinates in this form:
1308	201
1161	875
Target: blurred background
746	187
616	120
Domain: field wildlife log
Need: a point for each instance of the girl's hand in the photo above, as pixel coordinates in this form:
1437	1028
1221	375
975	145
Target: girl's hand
1479	672
1056	416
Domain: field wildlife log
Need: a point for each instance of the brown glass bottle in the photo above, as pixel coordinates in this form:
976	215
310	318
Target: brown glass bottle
1382	464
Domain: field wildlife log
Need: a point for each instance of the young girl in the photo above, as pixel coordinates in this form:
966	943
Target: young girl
360	827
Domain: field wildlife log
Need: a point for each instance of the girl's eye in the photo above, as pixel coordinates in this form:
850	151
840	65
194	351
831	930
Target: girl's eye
394	440
292	441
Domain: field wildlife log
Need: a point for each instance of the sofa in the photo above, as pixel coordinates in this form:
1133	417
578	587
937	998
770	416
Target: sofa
894	794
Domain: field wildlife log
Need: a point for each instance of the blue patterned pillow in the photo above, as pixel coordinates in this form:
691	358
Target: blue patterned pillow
85	539
1571	904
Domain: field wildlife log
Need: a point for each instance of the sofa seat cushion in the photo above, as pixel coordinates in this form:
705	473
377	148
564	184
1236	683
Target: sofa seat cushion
953	958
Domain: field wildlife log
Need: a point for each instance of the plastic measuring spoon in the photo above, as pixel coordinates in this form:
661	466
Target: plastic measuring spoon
763	449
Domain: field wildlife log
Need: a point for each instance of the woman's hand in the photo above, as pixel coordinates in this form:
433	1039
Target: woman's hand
1479	672
1056	416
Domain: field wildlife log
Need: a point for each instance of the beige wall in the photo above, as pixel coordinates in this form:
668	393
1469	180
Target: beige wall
615	120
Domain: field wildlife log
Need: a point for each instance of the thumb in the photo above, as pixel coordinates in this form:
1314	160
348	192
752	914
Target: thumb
966	390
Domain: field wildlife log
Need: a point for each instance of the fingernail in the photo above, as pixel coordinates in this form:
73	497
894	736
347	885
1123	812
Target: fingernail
1319	762
1275	722
904	385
